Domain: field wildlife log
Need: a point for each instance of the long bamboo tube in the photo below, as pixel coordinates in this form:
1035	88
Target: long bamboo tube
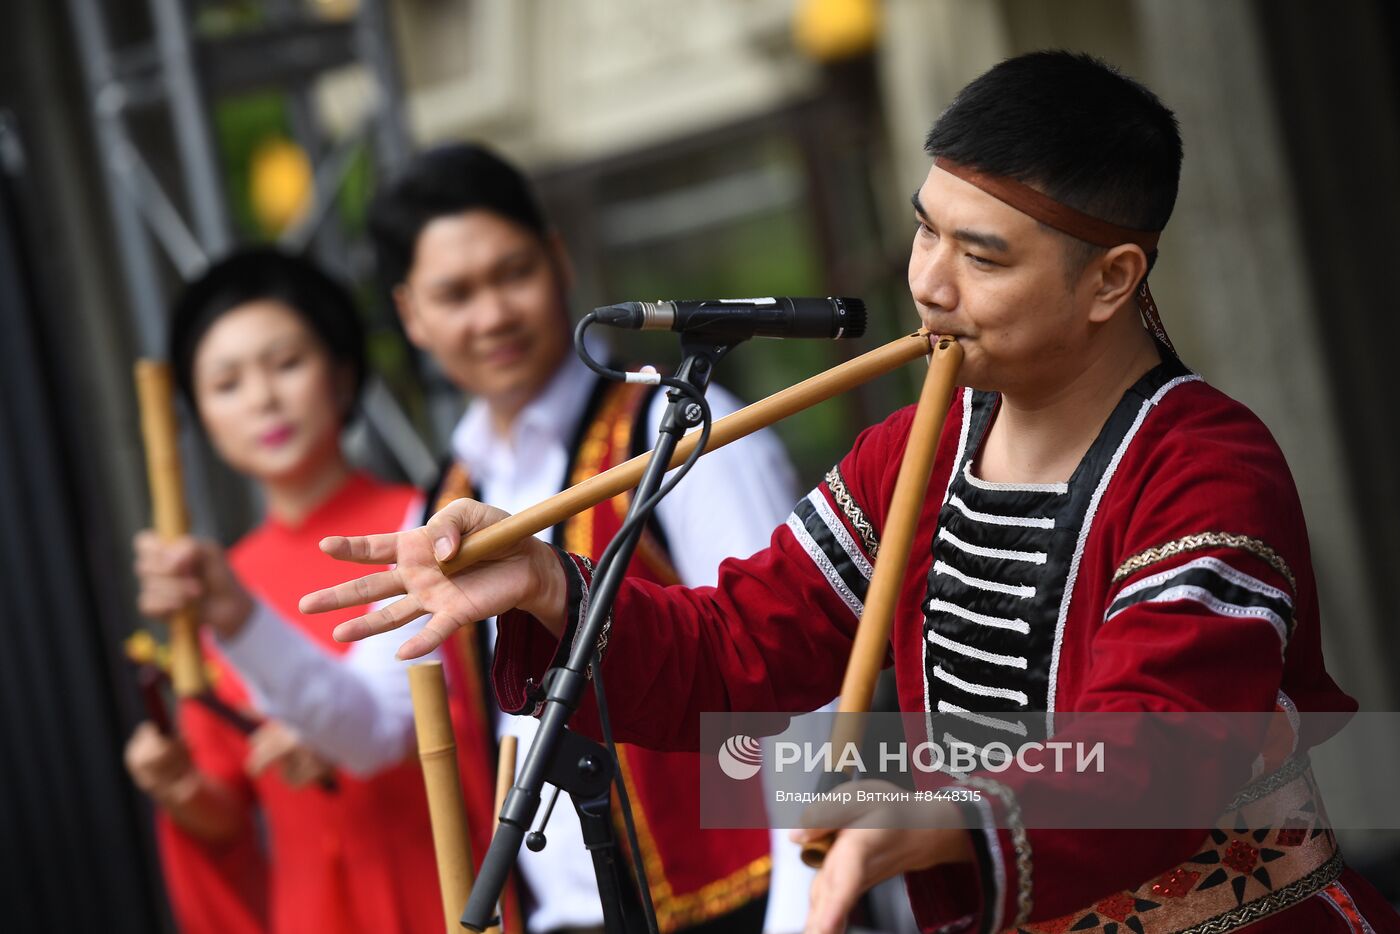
505	770
896	539
155	396
746	421
437	751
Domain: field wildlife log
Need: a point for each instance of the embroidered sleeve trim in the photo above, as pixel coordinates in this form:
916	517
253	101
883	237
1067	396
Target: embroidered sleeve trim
585	598
853	513
854	602
1020	843
1200	541
578	571
824	537
1216	585
986	853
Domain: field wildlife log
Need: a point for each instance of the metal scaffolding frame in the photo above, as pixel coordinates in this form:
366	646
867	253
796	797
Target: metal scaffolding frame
182	74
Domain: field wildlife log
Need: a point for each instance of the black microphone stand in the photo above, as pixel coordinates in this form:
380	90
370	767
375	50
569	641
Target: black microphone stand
567	760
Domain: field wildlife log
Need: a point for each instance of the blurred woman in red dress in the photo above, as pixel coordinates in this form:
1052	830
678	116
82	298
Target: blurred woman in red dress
260	832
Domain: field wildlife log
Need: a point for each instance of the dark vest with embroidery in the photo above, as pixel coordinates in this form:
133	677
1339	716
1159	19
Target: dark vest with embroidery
695	875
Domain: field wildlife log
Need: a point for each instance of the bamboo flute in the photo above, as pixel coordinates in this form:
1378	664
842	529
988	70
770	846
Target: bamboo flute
437	751
746	421
505	770
155	395
896	539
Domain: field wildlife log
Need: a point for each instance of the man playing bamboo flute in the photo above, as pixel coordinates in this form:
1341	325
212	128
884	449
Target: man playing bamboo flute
1103	531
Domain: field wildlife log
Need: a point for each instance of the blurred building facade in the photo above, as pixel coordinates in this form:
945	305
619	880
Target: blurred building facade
660	133
703	148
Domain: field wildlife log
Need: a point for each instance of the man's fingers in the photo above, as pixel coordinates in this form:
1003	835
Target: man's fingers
444	530
836	889
431	636
446	527
824	817
382	620
363	549
832	906
808	834
362	590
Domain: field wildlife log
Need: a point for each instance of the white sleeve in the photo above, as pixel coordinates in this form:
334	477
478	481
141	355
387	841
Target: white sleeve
355	709
730	503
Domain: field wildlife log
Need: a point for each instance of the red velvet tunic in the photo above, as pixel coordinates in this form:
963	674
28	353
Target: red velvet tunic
1176	577
356	858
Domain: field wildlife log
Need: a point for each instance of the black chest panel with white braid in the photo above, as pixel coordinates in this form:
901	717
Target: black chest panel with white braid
995	604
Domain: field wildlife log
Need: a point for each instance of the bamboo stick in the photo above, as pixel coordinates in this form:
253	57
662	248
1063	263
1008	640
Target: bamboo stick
437	751
155	396
896	539
746	421
505	770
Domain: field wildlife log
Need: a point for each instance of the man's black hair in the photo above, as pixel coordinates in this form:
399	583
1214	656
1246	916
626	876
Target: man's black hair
264	273
441	182
1072	126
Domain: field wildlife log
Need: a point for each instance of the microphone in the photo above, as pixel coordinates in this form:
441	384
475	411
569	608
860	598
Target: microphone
742	318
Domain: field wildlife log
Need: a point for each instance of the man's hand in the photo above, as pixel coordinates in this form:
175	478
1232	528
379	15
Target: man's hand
527	576
875	844
174	573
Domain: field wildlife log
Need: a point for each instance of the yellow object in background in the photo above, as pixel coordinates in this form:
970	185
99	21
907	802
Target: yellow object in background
830	30
336	9
281	184
142	648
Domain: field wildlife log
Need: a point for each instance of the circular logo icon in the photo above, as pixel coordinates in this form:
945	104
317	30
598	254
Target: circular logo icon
741	757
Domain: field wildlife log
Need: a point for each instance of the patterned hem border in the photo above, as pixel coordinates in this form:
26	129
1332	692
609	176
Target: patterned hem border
718	897
1286	897
680	910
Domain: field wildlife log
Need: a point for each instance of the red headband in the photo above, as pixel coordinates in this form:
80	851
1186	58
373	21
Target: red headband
1068	220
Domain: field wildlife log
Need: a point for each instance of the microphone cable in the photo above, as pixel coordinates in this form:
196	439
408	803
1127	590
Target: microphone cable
640	515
